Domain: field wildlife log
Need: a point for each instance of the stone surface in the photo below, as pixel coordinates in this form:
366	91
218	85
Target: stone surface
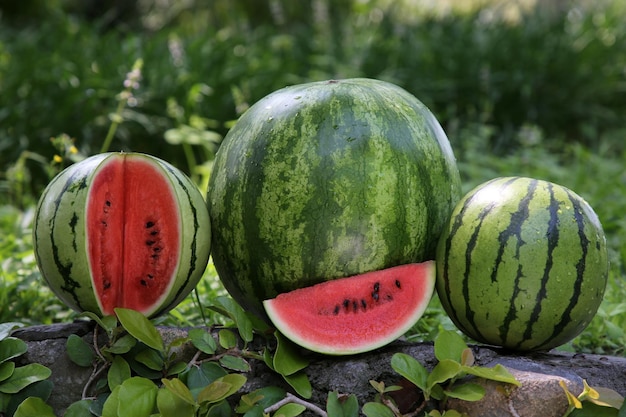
539	372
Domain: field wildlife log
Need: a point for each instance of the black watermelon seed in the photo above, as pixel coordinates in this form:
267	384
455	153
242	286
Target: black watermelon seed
398	284
355	305
143	282
149	225
375	296
337	309
346	303
376	287
108	203
150	276
150	242
363	304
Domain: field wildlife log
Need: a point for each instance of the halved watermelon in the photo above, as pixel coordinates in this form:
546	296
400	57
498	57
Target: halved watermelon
355	314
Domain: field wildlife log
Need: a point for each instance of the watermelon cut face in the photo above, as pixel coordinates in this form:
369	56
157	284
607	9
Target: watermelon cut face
355	314
133	234
121	230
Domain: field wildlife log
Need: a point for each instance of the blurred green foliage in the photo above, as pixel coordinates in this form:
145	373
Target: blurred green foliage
63	66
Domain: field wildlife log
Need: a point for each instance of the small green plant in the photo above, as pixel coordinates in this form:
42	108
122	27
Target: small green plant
456	361
594	402
19	384
136	362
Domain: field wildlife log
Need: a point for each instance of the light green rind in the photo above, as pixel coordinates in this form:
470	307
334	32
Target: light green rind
522	264
326	180
59	234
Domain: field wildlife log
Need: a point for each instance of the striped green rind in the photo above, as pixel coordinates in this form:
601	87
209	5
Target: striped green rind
522	264
59	234
326	180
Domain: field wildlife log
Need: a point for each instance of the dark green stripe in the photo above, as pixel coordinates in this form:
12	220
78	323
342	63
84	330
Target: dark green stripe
74	183
458	223
514	229
566	318
552	235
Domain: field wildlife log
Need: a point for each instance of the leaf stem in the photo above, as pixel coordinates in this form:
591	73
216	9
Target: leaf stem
290	398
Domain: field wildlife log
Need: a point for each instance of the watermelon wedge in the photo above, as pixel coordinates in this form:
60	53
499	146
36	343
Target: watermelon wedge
355	314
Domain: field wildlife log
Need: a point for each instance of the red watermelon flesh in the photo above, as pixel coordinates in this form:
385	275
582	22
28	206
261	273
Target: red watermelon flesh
354	314
133	233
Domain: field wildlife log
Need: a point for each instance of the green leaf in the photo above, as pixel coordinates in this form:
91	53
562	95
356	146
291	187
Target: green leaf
118	372
178	388
379	386
4	402
79	409
290	410
466	392
110	407
228	307
197	378
593	410
497	373
287	359
442	372
122	345
107	323
7	328
137	397
140	327
467	357
449	345
34	407
79	351
203	341
300	383
151	358
262	397
227	339
176	368
39	389
11	348
234	363
6	370
607	397
220	409
342	406
171	405
410	368
373	409
24	376
221	388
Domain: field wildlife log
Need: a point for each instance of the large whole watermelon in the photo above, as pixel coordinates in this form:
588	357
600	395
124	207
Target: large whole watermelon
326	180
522	264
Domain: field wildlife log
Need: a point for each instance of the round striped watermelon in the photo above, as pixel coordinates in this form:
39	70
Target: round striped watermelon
326	180
121	230
522	264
